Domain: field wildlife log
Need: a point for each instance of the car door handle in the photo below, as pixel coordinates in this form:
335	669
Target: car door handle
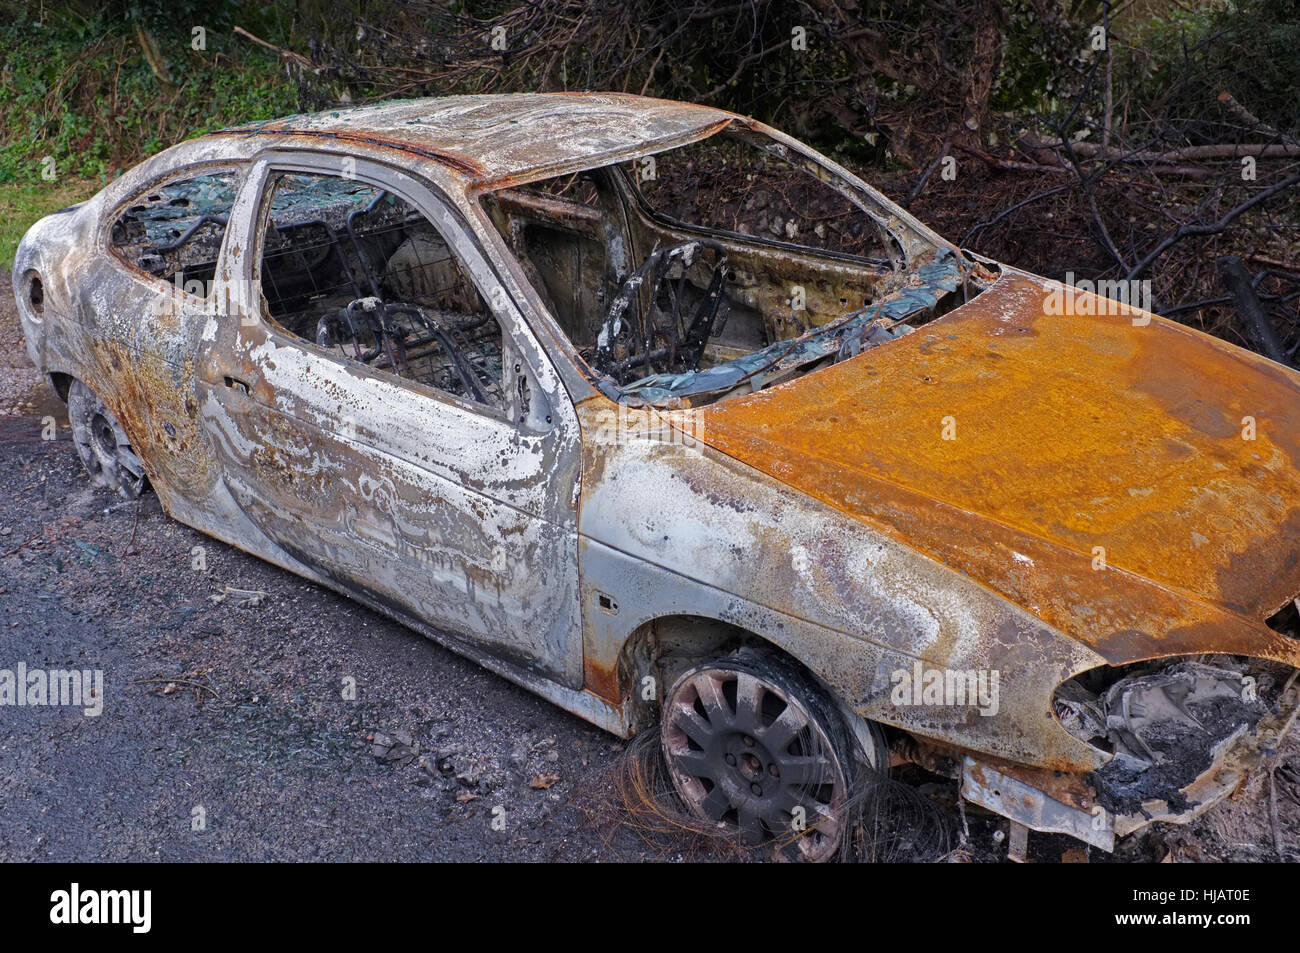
235	384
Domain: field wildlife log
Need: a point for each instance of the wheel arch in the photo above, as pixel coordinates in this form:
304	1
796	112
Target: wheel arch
61	383
664	647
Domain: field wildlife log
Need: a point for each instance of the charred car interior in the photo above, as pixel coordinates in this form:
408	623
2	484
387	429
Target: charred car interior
362	273
175	231
348	266
718	268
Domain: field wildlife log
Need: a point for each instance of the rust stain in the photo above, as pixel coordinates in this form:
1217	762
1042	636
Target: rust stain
1071	433
460	164
602	680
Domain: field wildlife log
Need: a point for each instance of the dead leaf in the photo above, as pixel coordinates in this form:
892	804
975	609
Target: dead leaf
543	781
464	797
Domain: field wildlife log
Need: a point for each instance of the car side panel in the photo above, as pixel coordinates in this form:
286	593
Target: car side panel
413	500
671	527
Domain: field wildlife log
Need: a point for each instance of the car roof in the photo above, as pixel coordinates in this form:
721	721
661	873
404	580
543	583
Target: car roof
500	139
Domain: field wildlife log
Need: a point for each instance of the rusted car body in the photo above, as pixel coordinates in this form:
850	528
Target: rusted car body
1099	509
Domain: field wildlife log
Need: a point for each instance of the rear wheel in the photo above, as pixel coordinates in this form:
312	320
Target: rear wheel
753	744
102	444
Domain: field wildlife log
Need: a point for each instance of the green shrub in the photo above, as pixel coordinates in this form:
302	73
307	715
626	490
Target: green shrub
82	92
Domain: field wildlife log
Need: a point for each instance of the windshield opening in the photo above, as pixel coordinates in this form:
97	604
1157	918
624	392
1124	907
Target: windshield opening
723	267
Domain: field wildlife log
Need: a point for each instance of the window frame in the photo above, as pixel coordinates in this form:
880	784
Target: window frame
444	218
240	170
905	237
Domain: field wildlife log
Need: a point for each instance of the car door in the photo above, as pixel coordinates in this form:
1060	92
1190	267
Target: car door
160	241
447	494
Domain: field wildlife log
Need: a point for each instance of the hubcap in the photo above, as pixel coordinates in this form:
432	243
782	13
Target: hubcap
746	755
104	435
102	446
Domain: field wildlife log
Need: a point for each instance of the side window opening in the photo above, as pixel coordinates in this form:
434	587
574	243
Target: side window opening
365	275
174	231
560	231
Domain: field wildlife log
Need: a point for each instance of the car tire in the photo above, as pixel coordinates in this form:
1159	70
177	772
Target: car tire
754	745
102	444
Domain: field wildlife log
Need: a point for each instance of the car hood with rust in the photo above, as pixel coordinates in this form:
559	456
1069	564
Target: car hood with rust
1098	471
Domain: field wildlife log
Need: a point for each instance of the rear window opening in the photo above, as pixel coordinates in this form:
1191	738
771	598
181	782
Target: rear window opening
722	267
174	231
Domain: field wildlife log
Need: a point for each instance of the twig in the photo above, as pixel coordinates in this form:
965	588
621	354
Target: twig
978	226
135	522
1250	119
1286	266
744	65
653	66
1086	183
154	60
23	543
1229	150
1272	811
287	54
197	686
1106	118
994	162
1187	231
916	189
1194	306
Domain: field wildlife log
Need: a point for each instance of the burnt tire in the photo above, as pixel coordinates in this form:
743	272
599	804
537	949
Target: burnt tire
754	745
102	444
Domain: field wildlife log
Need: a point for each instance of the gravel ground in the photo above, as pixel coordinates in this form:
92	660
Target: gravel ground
238	709
228	708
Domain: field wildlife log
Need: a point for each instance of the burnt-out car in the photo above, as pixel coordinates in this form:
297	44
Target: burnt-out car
661	414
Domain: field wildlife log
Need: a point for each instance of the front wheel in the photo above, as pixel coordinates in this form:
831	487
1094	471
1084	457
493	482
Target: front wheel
102	444
752	744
